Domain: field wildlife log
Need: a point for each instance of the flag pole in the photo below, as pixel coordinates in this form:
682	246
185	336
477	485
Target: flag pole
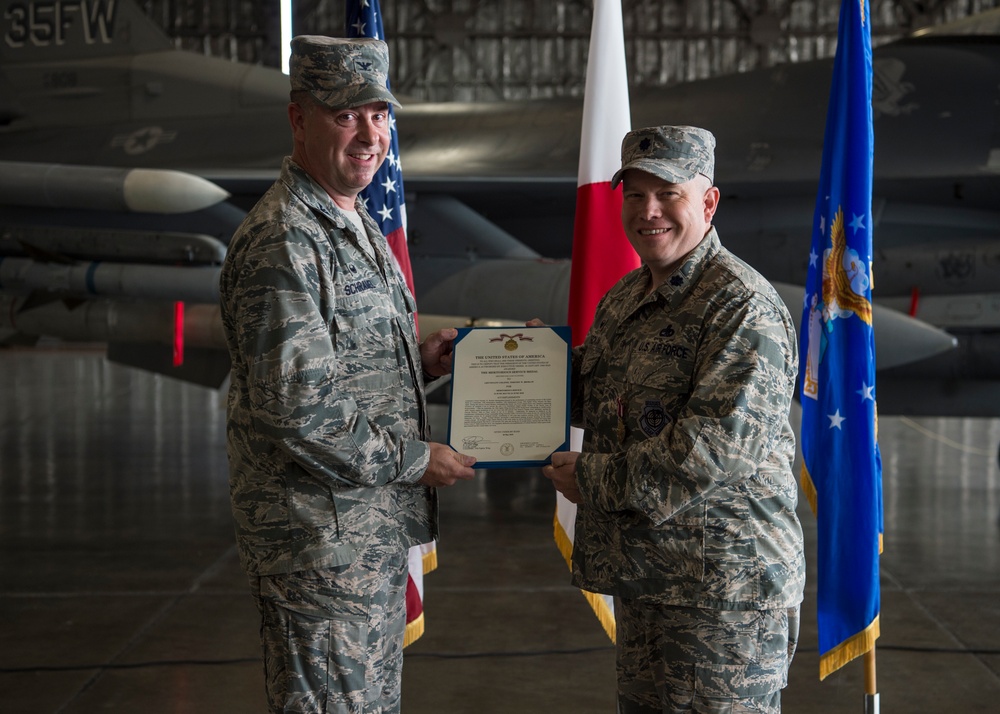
871	686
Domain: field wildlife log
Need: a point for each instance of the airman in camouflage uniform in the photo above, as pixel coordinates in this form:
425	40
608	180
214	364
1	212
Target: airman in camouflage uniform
331	470
685	490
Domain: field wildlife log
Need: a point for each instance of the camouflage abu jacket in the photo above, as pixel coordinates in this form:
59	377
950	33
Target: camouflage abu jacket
688	493
327	416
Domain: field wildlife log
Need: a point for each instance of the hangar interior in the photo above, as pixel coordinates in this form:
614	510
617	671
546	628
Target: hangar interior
481	50
121	589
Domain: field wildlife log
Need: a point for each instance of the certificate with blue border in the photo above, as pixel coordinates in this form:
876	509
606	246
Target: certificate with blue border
510	394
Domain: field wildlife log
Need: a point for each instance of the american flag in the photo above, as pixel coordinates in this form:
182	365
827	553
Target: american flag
384	196
384	202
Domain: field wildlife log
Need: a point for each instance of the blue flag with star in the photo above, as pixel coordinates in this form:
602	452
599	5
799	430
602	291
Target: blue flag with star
842	467
384	196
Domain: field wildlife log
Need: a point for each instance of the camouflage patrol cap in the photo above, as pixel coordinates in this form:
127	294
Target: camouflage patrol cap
341	73
674	153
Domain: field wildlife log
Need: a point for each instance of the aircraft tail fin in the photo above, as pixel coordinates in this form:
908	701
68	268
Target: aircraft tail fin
65	30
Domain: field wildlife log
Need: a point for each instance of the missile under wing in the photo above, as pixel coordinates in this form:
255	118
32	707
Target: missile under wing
96	86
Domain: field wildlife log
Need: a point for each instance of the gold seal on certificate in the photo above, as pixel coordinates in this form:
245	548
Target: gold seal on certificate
510	394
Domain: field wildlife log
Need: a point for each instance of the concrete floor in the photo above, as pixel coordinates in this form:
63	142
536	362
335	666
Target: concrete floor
121	591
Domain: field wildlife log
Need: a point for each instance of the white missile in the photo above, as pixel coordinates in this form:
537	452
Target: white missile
114	321
523	289
85	243
154	282
899	338
975	311
105	189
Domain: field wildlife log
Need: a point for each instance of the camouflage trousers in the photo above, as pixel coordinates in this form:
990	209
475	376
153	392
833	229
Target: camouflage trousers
680	659
333	638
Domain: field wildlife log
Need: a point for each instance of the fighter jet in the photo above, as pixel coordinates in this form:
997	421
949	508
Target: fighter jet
125	165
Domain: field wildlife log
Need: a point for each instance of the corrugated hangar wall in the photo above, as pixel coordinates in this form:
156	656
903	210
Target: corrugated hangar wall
485	50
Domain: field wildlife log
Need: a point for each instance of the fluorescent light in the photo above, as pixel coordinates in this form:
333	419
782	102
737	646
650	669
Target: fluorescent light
286	33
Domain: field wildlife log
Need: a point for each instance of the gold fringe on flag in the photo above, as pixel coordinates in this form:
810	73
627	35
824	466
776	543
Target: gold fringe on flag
860	643
414	631
563	543
848	649
805	480
604	614
430	560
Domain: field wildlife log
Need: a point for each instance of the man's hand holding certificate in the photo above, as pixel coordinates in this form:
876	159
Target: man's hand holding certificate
510	394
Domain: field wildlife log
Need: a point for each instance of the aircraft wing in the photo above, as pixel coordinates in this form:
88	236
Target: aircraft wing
96	245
